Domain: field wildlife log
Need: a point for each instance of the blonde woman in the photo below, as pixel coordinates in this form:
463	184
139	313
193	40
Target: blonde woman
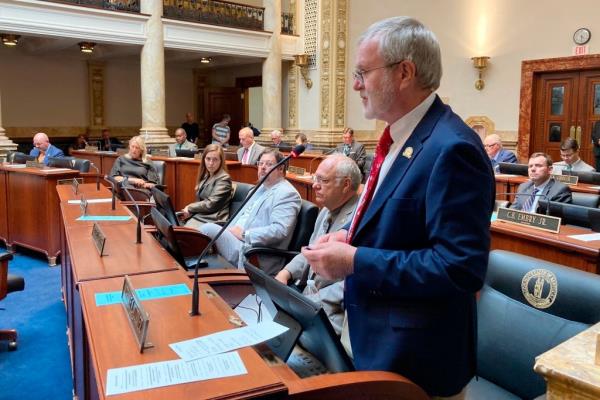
136	165
213	190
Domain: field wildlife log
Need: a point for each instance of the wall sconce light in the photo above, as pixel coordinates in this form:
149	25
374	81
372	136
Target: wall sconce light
9	39
86	47
301	60
206	60
480	63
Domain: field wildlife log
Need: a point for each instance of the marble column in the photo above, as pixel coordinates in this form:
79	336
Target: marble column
271	70
6	144
152	66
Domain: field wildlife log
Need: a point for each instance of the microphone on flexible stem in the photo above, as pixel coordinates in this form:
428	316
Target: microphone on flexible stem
92	165
113	184
195	291
124	183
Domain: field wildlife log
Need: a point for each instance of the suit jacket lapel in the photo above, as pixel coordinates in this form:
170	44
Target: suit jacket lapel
403	163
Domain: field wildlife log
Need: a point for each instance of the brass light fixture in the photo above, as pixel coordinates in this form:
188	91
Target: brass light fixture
9	39
480	64
301	60
206	60
86	47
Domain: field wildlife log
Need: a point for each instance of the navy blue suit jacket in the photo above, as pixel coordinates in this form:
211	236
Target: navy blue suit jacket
422	251
52	151
505	156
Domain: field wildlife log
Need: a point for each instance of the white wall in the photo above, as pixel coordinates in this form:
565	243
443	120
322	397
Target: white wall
509	31
255	106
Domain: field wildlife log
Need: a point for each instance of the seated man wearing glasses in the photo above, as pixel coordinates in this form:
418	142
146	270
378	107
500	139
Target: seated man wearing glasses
335	185
494	150
268	219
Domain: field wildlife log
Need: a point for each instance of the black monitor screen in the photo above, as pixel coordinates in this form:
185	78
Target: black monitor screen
514	169
185	153
317	335
60	162
165	206
572	214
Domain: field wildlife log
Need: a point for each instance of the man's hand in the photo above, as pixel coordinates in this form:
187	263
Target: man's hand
185	214
338	236
331	259
236	231
283	276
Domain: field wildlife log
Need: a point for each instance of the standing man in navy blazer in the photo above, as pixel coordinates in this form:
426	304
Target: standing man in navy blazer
416	252
43	150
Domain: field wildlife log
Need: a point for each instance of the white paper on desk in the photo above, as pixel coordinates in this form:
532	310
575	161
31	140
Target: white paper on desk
58	169
588	237
91	201
167	373
15	165
594	187
248	310
224	341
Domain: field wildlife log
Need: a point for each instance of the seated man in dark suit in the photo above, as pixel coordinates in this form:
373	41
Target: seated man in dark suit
540	185
352	149
109	143
43	150
494	150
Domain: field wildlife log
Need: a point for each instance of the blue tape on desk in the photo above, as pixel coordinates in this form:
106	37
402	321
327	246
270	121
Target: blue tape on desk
104	218
149	293
494	216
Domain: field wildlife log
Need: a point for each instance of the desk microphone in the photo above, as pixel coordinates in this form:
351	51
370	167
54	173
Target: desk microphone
92	165
114	184
124	183
195	291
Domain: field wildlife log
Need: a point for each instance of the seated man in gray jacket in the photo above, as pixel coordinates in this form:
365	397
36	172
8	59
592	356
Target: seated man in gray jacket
540	185
181	143
268	219
336	182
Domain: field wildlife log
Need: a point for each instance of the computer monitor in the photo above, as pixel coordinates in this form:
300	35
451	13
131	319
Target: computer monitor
295	311
514	169
61	162
585	176
185	153
165	206
572	214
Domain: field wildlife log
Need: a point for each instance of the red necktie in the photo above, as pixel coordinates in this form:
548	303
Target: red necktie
383	147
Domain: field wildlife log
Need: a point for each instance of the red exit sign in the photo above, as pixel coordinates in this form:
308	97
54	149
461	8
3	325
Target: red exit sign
580	50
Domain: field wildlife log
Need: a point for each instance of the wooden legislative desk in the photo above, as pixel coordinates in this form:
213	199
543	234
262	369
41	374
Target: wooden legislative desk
112	344
181	174
557	248
29	212
510	184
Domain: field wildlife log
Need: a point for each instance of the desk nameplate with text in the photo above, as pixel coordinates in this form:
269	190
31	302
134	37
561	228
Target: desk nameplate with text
566	179
137	316
297	170
537	221
99	238
34	164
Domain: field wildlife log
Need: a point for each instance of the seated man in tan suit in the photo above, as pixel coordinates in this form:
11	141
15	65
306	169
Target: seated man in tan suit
336	182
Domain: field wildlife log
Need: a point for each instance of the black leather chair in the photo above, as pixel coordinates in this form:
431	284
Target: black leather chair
165	206
9	283
20	158
367	167
513	168
81	164
304	228
526	307
160	170
240	192
585	199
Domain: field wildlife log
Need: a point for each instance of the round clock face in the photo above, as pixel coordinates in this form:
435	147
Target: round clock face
582	36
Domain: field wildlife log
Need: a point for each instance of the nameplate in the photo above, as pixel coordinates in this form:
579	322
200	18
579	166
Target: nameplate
75	186
296	170
136	314
198	156
68	181
536	221
90	148
98	238
160	152
83	204
33	164
566	179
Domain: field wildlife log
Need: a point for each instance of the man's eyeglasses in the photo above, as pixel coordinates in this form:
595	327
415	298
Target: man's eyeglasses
487	146
323	181
359	74
267	164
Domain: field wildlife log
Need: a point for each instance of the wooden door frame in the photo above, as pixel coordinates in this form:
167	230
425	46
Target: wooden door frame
530	68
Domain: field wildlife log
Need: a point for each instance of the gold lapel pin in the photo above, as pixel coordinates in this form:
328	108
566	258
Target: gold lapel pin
408	152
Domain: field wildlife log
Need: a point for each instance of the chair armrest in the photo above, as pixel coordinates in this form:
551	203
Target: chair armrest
4	258
253	252
356	385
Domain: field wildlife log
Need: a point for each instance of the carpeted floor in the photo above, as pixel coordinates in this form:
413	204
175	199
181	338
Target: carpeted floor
40	368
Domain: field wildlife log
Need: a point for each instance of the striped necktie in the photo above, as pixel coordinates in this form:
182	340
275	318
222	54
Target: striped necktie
530	200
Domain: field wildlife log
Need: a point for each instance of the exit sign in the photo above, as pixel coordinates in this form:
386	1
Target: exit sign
580	50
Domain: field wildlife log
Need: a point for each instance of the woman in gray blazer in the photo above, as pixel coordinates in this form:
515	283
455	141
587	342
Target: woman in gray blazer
213	190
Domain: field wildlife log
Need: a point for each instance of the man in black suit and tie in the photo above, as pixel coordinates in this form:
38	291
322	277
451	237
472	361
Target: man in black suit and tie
540	185
352	149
